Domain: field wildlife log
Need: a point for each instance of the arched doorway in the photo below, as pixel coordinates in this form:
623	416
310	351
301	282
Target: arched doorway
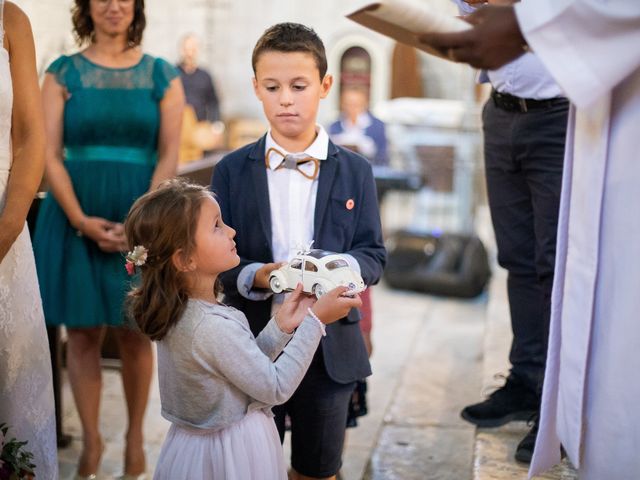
355	69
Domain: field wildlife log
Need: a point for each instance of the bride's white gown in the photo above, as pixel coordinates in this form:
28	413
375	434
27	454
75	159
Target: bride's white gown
26	392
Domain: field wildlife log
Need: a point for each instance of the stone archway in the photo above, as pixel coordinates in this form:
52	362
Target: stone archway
380	53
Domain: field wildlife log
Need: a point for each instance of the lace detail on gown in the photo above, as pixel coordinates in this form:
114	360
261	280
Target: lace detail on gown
26	391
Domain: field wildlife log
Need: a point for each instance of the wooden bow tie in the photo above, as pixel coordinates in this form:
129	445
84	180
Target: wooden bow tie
293	162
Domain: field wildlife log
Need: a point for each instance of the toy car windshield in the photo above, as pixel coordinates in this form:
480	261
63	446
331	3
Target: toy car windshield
336	264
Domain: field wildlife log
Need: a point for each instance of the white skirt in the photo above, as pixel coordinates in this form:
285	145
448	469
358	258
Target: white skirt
247	450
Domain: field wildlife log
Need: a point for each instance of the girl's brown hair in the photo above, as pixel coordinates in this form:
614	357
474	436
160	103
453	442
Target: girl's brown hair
163	221
83	24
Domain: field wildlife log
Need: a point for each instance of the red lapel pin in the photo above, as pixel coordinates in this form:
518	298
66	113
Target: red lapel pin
350	204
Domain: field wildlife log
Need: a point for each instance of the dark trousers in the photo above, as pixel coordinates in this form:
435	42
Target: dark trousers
524	154
318	412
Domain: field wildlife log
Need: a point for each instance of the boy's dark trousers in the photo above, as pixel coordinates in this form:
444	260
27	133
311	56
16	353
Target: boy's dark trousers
318	405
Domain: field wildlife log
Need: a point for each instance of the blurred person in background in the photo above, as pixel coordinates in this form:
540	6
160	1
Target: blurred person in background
358	129
26	389
202	128
199	89
112	118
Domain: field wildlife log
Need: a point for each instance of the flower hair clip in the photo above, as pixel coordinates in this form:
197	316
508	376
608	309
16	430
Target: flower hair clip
136	258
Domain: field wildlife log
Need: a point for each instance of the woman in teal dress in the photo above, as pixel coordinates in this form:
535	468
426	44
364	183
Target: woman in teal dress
113	119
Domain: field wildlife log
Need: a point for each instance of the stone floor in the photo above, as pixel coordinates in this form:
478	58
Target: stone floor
432	356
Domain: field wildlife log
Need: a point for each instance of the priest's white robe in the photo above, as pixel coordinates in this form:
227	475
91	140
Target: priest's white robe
591	395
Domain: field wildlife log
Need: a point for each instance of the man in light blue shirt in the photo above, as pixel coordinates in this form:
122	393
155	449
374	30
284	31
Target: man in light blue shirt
524	124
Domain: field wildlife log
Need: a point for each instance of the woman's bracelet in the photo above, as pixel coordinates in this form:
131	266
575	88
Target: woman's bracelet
322	325
79	228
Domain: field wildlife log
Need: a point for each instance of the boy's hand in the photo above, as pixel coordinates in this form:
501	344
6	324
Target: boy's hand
294	309
261	279
334	305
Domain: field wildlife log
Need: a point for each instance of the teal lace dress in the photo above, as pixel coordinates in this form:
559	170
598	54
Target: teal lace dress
111	125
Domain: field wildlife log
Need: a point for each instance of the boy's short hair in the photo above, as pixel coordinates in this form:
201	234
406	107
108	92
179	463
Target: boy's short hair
291	37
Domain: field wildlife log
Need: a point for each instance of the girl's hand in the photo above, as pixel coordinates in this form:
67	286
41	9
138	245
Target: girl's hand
293	310
334	305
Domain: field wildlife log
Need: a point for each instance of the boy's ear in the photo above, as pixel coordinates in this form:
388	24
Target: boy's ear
255	87
182	262
325	86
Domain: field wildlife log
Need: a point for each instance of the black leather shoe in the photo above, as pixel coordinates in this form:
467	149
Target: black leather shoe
513	401
524	452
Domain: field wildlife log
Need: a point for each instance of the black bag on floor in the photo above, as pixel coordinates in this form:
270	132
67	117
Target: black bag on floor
447	264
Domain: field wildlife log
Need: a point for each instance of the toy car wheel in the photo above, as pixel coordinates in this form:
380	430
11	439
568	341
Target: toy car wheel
318	290
275	284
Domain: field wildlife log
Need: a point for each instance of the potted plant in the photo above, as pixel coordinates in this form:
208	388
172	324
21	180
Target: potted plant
16	463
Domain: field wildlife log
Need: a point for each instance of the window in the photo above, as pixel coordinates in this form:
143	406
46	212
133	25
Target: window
310	267
296	263
332	265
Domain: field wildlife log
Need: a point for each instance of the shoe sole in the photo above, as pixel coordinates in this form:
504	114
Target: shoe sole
497	422
523	457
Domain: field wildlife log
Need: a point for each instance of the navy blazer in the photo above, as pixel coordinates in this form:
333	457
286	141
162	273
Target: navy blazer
240	184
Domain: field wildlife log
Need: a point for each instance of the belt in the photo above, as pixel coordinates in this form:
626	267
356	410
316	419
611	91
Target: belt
511	103
85	153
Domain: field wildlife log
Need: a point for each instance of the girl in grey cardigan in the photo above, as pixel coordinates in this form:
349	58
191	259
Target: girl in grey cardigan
217	381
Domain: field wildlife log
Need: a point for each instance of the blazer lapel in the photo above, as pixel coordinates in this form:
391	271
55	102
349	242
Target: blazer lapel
261	187
328	169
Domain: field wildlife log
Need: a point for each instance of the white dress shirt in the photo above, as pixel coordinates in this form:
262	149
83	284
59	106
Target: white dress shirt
292	198
525	77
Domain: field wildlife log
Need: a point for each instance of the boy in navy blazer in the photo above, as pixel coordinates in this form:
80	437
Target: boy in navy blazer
321	192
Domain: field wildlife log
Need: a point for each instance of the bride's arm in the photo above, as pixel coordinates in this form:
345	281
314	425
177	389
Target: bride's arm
27	127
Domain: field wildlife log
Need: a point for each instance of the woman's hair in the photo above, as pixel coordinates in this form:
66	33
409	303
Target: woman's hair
163	221
83	28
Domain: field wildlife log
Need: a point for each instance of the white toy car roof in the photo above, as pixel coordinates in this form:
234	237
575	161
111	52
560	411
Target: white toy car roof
322	255
317	253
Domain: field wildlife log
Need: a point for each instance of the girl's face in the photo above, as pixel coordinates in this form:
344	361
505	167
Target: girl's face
215	250
112	17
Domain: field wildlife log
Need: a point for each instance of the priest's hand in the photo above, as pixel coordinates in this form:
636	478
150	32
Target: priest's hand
494	40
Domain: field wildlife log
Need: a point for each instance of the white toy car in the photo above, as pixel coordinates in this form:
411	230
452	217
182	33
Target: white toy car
323	271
